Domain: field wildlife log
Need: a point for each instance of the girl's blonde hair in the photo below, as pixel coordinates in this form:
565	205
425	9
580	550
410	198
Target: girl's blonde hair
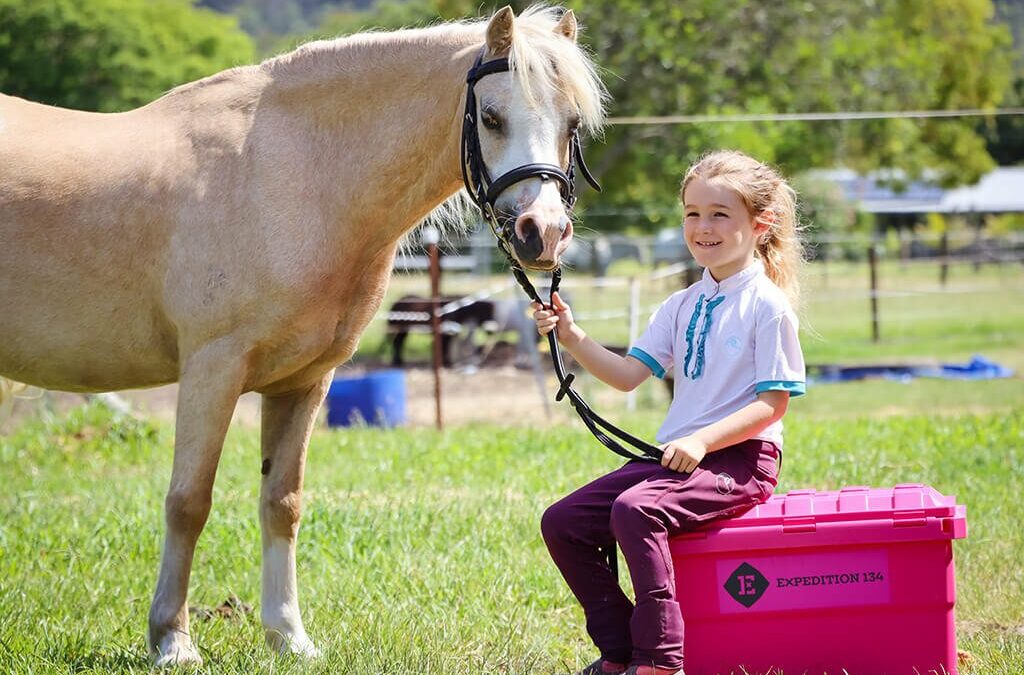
762	189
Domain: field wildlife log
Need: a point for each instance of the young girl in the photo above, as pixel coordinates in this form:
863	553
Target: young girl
731	341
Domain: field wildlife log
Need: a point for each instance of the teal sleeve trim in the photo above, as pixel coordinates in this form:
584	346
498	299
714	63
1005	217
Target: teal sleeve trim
648	360
794	388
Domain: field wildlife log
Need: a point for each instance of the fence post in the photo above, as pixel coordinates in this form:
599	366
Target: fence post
634	327
977	245
944	258
825	253
873	265
690	274
430	237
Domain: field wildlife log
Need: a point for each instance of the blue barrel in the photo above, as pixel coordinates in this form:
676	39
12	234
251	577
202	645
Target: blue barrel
377	398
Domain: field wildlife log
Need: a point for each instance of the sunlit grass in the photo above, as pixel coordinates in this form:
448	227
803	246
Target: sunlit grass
420	551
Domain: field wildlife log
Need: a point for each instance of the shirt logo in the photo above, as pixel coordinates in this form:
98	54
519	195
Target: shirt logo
733	346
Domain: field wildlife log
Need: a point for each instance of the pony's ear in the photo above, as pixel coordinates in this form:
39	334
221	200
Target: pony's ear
499	31
567	25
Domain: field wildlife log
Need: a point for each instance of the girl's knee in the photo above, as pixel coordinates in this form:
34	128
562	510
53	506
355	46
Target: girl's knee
628	517
556	521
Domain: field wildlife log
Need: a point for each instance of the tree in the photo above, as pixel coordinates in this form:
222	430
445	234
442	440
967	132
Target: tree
672	57
110	55
1005	134
704	57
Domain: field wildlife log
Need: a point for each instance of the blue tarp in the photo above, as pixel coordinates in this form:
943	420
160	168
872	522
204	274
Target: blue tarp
978	368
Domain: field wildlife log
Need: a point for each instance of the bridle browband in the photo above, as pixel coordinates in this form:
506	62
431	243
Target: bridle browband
484	191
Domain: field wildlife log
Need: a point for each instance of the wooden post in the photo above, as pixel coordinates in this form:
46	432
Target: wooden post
690	274
634	329
873	265
944	258
978	224
825	253
430	237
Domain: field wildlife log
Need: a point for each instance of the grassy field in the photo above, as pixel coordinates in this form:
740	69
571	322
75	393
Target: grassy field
420	551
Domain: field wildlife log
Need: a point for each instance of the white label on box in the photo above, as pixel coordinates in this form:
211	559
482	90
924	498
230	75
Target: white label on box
803	581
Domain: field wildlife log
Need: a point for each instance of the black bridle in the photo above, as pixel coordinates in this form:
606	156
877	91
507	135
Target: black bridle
484	191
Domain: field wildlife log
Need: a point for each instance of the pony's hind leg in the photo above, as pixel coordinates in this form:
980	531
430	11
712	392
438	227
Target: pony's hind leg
210	384
287	423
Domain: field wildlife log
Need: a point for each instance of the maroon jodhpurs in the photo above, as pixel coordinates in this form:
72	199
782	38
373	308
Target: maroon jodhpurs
639	507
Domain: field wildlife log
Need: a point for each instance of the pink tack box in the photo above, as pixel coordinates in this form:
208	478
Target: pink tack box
856	581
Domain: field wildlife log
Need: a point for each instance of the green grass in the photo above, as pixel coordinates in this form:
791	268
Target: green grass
420	551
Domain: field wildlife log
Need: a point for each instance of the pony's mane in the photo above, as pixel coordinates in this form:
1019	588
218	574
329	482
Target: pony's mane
541	60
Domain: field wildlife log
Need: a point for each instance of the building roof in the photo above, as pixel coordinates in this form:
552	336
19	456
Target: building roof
999	191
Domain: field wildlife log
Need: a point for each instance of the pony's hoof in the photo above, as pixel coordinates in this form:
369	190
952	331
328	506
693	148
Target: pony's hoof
176	650
296	645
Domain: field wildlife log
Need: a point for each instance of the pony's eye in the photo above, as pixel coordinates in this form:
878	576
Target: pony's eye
574	125
490	121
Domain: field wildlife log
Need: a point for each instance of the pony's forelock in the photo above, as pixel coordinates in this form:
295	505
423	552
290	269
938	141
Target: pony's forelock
543	59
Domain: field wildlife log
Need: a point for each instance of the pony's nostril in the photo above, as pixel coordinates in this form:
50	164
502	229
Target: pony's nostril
566	228
527	229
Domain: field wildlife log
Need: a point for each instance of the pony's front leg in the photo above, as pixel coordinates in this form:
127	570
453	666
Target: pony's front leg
287	423
211	382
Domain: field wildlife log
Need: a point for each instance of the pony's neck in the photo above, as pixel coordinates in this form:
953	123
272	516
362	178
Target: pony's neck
384	111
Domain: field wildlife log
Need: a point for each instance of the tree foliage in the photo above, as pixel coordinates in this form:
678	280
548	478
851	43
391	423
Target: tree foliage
704	57
109	55
659	57
1005	134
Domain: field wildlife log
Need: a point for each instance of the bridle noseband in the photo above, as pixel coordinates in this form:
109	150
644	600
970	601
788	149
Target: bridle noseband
484	191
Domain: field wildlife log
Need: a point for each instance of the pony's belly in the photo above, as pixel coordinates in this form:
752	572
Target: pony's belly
62	350
110	372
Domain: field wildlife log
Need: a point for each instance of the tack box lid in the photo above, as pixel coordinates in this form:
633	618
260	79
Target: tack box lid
851	515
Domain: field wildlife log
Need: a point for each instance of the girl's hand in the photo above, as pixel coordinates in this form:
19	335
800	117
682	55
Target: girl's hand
547	319
683	454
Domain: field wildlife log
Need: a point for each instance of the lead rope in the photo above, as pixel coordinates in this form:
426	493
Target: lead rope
594	422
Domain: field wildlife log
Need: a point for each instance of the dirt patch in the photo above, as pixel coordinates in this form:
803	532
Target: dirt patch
500	395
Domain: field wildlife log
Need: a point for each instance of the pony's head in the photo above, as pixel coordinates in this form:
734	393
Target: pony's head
529	115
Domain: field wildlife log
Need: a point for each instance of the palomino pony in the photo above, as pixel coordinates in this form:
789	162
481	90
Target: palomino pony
238	233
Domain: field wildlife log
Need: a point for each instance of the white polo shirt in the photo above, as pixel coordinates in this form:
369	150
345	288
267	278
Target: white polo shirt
725	342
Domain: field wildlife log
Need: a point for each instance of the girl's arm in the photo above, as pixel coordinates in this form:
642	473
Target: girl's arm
623	373
684	454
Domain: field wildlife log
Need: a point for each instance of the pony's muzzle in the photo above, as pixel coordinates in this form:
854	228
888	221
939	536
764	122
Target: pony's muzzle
539	241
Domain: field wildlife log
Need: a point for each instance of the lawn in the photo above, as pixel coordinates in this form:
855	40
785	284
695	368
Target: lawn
420	551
